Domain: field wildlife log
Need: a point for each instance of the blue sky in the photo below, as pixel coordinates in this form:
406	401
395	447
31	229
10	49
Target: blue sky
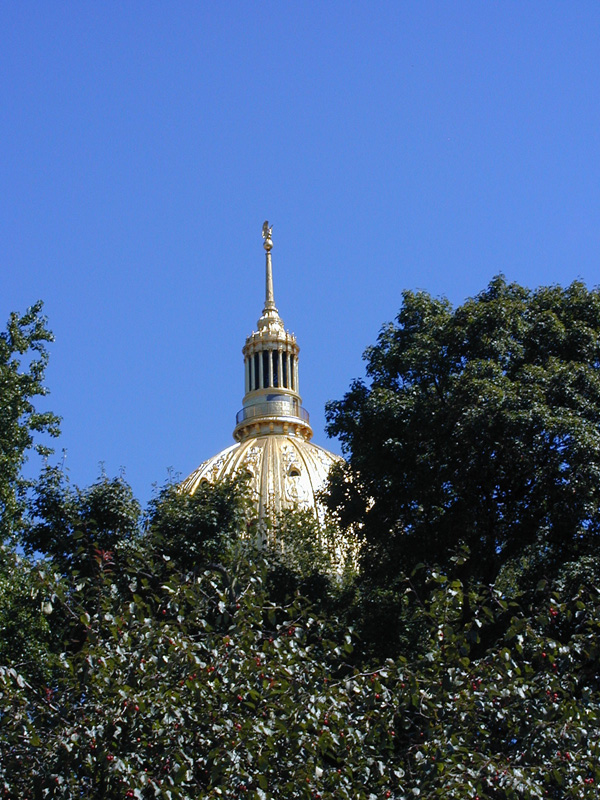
391	145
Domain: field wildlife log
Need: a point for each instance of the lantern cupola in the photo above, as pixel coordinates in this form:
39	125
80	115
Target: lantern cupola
272	402
272	432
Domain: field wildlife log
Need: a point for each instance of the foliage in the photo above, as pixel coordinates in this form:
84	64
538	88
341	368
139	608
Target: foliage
164	700
479	426
23	360
74	526
167	655
306	556
27	640
195	529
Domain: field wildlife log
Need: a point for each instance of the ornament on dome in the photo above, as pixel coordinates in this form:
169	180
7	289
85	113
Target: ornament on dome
266	234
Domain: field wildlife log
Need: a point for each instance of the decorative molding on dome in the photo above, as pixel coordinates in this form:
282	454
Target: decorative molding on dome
286	472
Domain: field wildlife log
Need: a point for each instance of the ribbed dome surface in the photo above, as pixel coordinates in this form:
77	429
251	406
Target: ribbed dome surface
286	471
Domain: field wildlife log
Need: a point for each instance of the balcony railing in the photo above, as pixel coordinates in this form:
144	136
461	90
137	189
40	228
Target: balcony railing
273	408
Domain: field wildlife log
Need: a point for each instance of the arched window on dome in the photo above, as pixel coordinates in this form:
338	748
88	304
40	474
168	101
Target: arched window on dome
275	357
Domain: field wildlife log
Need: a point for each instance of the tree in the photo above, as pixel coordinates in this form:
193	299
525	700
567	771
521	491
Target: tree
306	557
480	426
75	526
23	360
158	656
196	529
27	639
161	702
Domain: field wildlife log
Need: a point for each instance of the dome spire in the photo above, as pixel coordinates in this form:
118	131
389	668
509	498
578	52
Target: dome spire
272	429
270	315
272	402
270	307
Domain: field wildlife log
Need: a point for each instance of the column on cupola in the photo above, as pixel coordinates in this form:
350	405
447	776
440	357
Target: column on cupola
280	367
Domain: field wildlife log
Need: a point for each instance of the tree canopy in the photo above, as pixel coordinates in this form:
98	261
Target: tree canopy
23	360
478	426
168	653
201	686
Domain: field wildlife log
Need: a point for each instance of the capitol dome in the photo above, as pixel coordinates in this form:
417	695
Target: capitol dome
272	429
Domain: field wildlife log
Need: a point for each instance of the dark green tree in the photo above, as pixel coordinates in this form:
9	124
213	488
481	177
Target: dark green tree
306	556
194	530
479	426
27	634
265	705
23	360
75	527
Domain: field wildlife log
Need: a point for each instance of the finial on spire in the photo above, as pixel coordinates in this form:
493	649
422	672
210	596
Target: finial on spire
266	234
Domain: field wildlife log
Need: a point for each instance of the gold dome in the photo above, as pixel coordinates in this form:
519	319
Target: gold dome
286	471
272	429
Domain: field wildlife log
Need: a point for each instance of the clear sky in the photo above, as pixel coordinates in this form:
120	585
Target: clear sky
391	145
